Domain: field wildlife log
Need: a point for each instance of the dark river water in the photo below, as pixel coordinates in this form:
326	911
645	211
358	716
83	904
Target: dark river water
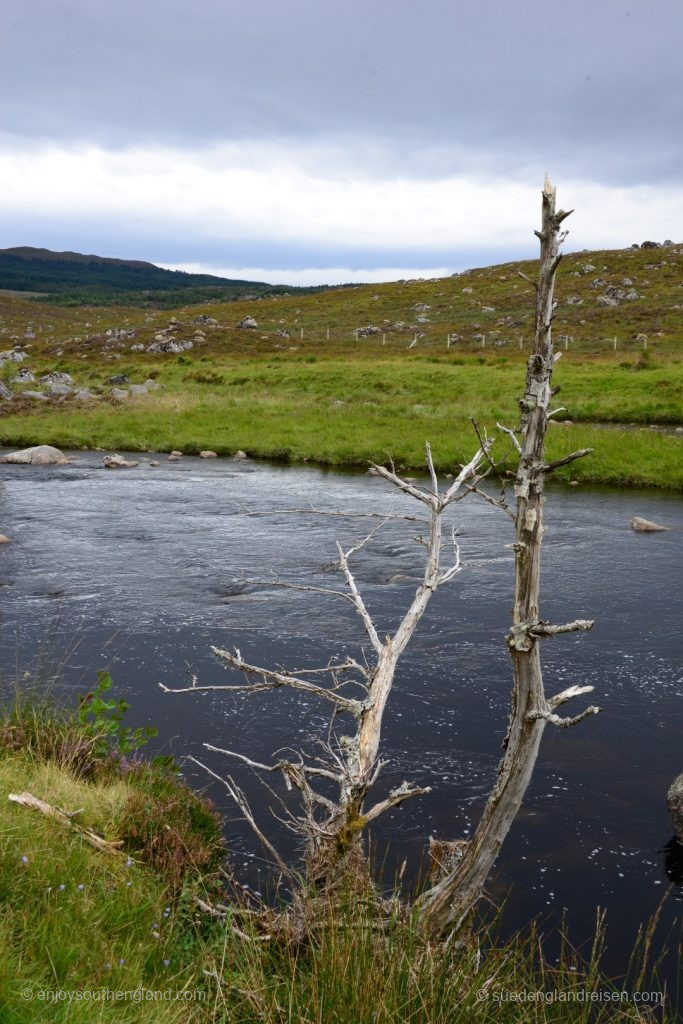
139	571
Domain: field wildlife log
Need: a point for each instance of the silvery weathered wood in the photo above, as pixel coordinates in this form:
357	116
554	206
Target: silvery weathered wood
445	906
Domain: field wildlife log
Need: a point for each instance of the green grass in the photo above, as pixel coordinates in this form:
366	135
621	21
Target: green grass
75	920
346	412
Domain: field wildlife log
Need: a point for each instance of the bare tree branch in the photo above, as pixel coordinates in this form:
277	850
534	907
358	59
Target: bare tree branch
547	629
271	681
241	801
396	797
550	466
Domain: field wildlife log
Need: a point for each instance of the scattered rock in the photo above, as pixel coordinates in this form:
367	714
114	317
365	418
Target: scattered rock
34	395
153	385
606	300
56	378
173	458
137	348
645	526
117	462
674	799
138	389
247	323
281	333
467	291
24	376
667	243
587	268
422	307
650	245
39	455
367	331
119	394
162	345
118	378
488	309
14	355
119	333
154	464
60	390
239	454
204	319
627	282
208	455
4	539
83	395
5	393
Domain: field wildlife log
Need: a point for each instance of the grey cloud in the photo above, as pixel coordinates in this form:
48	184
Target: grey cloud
589	88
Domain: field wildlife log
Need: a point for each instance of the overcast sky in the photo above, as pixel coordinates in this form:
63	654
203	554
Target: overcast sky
311	141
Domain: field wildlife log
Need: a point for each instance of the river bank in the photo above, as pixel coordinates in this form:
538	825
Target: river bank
350	412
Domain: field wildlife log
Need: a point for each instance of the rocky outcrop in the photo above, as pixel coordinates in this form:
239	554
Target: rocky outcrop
368	331
24	376
56	378
119	394
14	355
646	526
168	345
204	319
247	323
39	455
674	799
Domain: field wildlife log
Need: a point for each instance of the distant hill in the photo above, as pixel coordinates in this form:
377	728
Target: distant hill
73	279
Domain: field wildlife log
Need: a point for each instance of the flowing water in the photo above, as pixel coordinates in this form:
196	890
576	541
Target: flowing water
142	570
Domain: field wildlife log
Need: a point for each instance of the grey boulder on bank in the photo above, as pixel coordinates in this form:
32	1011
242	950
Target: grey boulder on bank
40	455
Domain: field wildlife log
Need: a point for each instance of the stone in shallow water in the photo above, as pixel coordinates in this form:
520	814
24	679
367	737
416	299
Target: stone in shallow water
646	526
208	455
39	455
117	462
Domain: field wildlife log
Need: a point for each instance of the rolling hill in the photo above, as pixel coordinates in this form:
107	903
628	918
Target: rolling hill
73	278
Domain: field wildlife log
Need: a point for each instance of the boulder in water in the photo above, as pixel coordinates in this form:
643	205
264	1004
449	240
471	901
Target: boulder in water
208	455
39	455
646	526
117	462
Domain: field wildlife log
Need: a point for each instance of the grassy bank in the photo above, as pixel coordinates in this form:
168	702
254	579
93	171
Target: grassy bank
77	922
348	411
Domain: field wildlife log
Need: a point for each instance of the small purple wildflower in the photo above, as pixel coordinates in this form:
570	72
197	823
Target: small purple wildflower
121	962
107	967
129	862
24	859
167	963
61	887
128	885
80	887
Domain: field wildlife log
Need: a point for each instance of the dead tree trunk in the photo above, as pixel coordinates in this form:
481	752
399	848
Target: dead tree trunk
446	905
